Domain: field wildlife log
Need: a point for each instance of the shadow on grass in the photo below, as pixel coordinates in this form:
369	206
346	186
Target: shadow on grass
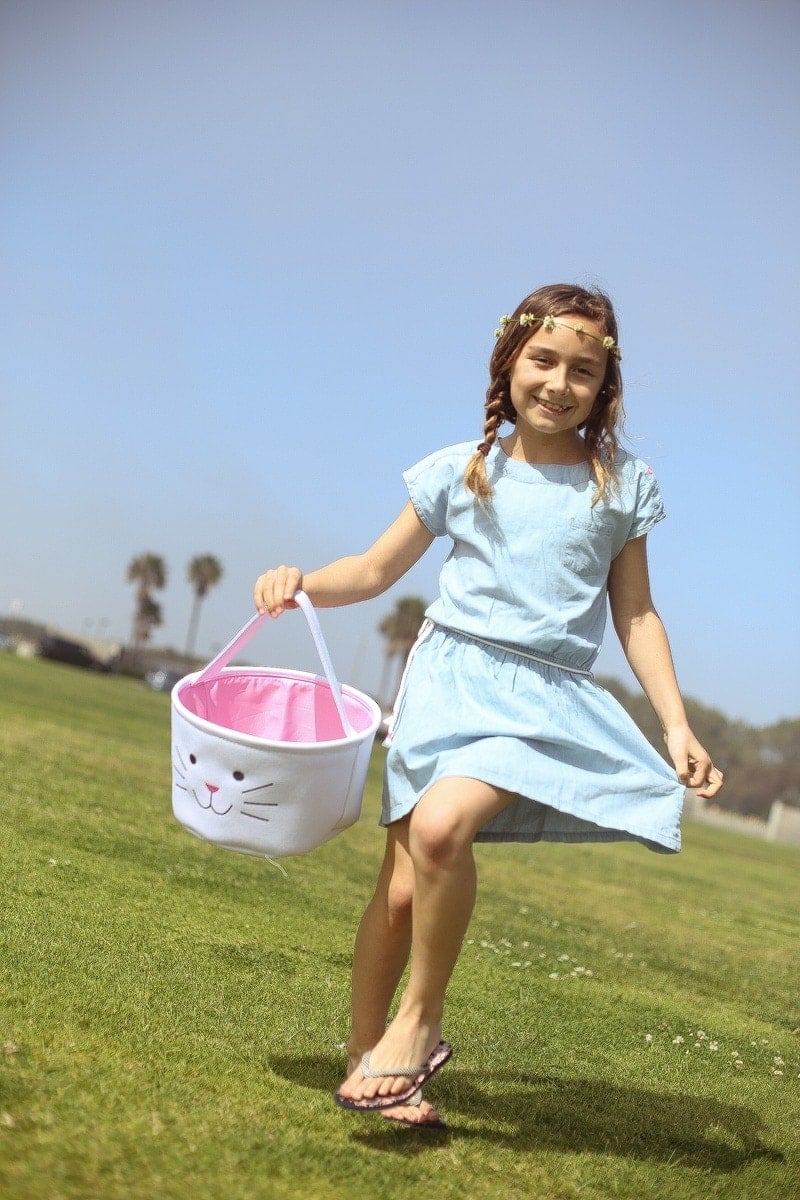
525	1112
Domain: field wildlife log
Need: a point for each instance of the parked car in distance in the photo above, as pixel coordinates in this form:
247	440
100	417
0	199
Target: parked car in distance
60	649
162	679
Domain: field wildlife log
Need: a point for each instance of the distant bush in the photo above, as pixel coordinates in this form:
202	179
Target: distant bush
760	764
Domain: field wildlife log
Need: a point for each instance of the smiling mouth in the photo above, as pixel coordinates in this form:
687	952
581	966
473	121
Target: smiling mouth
210	805
558	409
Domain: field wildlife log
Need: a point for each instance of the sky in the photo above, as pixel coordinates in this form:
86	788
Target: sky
253	255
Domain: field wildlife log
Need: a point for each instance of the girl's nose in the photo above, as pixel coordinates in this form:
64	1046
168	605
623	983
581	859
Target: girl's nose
558	384
212	788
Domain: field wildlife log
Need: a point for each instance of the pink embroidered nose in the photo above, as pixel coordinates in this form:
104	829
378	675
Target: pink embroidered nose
211	788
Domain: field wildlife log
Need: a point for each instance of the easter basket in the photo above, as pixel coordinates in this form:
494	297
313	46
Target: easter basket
269	761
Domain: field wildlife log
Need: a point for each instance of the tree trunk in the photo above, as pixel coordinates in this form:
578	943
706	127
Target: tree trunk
191	636
385	673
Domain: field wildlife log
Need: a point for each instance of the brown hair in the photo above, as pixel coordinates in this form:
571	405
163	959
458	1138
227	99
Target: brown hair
600	430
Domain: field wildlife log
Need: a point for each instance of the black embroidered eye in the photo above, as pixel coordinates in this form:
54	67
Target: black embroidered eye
192	758
238	775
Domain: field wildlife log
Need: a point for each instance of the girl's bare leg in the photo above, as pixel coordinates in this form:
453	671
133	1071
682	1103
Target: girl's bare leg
383	944
441	831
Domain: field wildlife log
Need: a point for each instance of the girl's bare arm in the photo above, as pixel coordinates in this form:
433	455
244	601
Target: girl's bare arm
644	640
348	580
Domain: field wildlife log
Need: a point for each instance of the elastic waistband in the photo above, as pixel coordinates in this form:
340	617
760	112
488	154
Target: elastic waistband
537	658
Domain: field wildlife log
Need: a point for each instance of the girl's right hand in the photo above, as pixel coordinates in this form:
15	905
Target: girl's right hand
274	590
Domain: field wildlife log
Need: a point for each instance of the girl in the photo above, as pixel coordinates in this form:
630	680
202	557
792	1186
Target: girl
500	731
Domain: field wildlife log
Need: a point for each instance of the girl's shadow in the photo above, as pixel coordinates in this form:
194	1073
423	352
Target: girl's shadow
526	1112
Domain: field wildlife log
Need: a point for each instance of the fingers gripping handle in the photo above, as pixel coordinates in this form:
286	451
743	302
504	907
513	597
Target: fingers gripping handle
218	664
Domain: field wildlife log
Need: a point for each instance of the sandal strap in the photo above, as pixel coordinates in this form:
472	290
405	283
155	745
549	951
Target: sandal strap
407	1072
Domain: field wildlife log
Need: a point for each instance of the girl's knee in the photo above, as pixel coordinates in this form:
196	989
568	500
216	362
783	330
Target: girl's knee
444	823
400	897
438	835
395	888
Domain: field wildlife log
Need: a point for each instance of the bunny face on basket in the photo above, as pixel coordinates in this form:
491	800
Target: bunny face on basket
221	789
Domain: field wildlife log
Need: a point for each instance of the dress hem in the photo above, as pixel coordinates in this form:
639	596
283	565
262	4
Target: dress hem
667	842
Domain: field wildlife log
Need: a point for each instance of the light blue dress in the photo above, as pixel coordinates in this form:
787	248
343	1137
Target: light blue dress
499	687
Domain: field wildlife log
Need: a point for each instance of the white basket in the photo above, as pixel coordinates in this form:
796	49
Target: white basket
268	761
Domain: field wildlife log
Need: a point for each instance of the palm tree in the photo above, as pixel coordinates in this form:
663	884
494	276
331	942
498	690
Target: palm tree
148	614
149	574
399	631
203	572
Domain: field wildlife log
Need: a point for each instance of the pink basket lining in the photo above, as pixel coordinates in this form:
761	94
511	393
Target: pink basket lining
280	707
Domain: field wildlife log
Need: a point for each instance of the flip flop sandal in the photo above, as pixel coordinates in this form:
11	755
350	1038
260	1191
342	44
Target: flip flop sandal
414	1102
419	1076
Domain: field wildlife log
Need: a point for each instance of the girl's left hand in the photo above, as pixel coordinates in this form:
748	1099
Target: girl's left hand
692	763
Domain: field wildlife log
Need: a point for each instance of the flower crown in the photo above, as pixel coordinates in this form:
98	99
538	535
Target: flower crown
526	320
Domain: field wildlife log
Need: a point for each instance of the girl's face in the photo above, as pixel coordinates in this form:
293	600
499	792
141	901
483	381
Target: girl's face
556	378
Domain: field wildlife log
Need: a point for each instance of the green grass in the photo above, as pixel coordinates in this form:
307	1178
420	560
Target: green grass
171	1015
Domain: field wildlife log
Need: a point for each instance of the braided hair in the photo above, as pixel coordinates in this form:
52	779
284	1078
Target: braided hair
600	428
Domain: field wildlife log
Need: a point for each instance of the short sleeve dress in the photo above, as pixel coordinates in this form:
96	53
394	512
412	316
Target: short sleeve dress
499	686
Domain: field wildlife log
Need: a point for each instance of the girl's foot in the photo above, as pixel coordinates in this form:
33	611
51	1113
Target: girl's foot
414	1112
405	1044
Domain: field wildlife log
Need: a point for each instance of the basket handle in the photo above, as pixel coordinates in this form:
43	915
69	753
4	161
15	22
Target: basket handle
217	665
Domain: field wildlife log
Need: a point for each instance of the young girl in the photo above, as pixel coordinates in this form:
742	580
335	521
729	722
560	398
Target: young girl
500	731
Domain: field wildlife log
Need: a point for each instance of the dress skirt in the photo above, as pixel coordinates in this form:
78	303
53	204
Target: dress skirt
578	766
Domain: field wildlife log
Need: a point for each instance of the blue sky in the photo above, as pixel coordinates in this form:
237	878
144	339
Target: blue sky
253	255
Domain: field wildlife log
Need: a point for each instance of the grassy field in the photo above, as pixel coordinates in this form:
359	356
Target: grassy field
171	1015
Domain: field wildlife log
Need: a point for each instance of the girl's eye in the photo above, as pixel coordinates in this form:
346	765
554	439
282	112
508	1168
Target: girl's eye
238	775
192	758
